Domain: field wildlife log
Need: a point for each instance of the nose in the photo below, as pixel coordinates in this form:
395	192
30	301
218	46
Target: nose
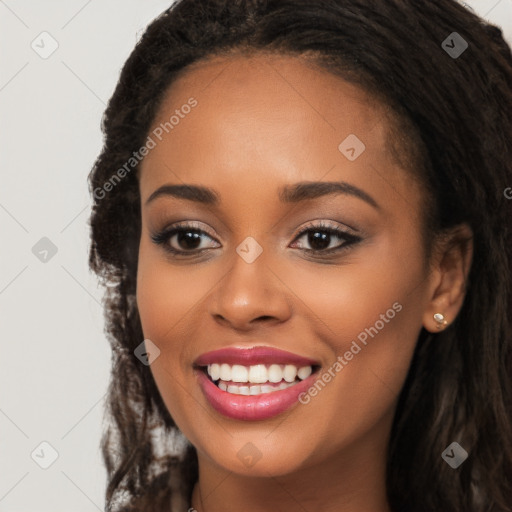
249	295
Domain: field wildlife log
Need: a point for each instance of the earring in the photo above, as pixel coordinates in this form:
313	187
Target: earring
441	321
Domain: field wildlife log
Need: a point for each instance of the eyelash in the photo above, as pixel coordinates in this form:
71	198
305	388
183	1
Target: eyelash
163	237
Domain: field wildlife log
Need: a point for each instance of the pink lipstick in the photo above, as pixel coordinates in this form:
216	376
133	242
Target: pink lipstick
253	383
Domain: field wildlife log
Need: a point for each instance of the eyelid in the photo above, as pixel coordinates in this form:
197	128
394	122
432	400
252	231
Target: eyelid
193	224
328	224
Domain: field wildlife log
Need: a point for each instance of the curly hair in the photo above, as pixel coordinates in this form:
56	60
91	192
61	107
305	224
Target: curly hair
458	387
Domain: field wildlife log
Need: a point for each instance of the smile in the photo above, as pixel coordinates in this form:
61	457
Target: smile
253	391
257	379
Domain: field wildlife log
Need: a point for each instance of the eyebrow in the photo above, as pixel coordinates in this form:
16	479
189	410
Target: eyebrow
295	193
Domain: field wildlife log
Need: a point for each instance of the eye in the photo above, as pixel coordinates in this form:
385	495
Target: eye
320	236
188	239
182	239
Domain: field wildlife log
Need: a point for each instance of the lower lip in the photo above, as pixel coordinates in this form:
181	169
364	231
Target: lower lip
252	407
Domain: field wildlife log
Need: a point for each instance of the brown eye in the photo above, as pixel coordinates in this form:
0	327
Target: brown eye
320	237
182	240
188	240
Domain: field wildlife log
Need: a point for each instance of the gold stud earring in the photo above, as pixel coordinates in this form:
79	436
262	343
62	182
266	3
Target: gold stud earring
441	321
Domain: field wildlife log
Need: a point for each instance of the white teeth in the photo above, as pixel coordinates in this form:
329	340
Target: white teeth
243	390
225	372
214	371
304	372
239	373
227	375
258	374
275	374
290	372
252	390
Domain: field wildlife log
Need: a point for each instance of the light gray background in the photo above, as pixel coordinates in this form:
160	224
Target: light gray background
55	360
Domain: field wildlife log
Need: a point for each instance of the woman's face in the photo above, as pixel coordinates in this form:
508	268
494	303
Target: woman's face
350	303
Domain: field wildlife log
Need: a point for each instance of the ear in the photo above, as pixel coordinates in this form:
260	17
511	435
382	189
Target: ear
450	264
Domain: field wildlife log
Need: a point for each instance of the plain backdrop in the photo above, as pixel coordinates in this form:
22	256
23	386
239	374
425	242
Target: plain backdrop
55	359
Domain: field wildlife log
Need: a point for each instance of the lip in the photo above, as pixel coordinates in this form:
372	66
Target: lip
253	356
252	407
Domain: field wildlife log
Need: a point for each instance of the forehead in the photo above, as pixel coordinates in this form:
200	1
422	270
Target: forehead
264	117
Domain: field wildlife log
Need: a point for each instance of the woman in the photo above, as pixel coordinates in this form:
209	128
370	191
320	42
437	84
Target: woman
300	212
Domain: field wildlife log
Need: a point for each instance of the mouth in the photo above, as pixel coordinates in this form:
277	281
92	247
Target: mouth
254	384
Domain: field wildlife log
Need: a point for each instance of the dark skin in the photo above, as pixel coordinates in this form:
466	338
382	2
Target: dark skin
261	123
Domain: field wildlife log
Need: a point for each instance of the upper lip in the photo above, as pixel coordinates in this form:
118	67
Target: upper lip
252	356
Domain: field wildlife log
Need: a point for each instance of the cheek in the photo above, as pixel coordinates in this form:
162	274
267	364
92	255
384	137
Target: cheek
344	300
169	296
164	299
369	315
